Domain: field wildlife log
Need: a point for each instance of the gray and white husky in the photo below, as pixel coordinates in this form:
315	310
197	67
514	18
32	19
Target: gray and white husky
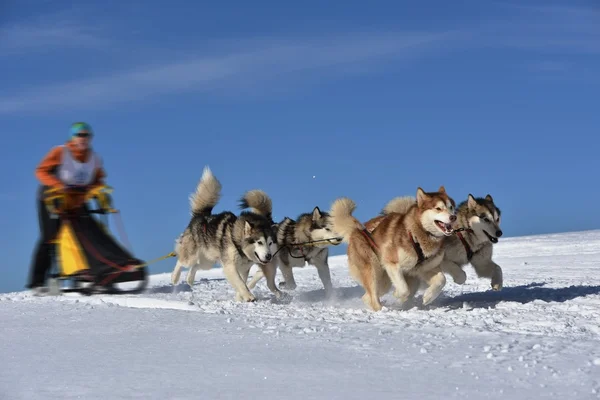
308	227
237	242
476	230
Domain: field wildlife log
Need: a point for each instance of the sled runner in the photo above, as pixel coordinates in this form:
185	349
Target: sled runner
85	251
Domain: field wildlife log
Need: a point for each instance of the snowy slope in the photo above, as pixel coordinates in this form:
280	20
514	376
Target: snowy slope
537	338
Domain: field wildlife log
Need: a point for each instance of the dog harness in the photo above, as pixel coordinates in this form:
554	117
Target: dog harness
417	248
465	244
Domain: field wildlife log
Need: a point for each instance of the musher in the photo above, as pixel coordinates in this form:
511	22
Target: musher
68	166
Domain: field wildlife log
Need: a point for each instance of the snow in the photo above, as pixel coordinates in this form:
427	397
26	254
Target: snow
537	338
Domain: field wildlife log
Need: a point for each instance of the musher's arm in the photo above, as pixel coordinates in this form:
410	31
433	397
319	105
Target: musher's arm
45	169
99	179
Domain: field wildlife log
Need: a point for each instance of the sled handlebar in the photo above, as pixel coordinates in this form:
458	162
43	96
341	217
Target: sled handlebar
64	197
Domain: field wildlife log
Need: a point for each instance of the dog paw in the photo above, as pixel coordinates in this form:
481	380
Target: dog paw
287	286
496	286
373	304
430	295
460	277
402	296
245	298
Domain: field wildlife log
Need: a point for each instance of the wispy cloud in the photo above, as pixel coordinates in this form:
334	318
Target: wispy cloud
262	61
549	66
57	30
548	29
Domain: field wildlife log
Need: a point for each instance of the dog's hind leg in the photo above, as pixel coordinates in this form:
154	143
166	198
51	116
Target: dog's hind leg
370	282
176	274
258	275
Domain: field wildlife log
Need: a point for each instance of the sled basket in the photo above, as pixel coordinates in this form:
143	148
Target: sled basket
85	250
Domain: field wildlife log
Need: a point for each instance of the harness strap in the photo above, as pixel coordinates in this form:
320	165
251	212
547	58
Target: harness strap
369	237
417	248
465	244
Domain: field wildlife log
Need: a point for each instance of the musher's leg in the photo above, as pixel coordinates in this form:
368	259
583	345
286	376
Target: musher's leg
42	255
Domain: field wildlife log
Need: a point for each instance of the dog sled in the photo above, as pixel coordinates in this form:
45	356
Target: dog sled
85	251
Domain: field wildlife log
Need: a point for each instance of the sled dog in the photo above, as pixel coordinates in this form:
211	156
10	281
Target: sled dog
315	226
477	229
409	244
238	242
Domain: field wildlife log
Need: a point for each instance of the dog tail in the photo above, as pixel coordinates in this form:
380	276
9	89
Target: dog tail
259	202
207	194
344	223
399	205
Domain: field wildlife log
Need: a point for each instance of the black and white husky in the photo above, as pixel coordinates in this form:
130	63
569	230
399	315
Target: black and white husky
316	227
237	242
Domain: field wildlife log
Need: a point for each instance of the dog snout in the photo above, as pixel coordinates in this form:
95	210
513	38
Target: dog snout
268	257
498	233
452	217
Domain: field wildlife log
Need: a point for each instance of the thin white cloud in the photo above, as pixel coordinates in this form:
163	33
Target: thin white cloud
262	61
549	66
547	29
61	29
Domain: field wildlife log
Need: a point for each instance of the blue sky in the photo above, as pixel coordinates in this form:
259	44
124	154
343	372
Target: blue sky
372	99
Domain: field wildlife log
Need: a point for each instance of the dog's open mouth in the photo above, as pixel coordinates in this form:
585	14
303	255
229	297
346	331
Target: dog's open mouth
444	227
493	239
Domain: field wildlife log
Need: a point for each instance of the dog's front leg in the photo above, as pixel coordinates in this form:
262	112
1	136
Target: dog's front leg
454	270
436	280
176	274
258	275
288	277
270	270
235	280
486	268
191	275
489	269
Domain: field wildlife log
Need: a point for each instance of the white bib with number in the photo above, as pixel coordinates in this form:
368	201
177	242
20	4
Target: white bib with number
75	173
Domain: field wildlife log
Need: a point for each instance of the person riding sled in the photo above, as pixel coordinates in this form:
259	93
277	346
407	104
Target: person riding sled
75	170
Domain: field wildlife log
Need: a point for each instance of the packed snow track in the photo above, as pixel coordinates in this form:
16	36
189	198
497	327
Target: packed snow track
539	337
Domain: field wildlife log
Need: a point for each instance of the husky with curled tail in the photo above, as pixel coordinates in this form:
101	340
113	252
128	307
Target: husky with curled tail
237	242
477	229
315	227
400	245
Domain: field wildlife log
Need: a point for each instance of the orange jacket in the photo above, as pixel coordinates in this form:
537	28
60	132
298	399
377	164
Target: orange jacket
45	171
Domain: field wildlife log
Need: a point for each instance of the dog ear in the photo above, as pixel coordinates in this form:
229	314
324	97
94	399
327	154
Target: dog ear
316	214
472	202
421	196
442	189
247	228
489	198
